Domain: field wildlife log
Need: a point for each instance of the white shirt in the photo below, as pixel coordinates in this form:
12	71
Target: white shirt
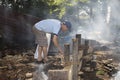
49	25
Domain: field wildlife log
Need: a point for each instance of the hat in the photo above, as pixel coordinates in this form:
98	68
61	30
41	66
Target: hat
68	24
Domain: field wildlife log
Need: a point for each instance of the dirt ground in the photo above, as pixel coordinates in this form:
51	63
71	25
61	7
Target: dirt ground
16	65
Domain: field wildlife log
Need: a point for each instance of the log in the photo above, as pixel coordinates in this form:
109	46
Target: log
106	66
4	67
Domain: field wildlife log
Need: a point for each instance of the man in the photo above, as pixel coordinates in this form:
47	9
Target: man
52	26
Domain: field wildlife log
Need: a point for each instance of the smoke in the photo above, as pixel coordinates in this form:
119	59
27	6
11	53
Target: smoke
39	73
101	26
117	76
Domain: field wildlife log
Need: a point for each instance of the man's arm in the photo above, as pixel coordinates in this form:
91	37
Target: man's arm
55	41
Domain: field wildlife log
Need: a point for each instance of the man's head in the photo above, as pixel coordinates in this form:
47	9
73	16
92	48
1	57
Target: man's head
66	25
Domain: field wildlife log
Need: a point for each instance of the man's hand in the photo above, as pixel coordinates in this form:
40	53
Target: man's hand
55	41
61	52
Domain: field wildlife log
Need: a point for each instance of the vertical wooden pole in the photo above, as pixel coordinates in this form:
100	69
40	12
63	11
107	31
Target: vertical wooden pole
75	59
80	54
85	52
78	36
66	52
86	47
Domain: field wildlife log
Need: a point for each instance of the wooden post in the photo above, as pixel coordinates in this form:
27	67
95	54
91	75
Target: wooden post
78	36
75	59
67	52
85	51
80	54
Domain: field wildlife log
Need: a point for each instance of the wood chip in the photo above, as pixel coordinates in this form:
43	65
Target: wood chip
29	75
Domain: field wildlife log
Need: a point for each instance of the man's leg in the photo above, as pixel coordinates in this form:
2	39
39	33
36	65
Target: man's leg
39	53
45	53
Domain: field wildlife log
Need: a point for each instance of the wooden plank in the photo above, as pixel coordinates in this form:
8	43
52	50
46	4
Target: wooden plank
70	70
63	74
58	75
75	59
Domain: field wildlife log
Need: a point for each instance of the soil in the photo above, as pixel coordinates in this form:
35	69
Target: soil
16	65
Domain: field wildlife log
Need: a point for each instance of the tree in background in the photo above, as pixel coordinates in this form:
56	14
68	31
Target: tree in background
40	8
77	11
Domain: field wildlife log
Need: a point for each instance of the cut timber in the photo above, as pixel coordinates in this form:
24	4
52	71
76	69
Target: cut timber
63	74
4	67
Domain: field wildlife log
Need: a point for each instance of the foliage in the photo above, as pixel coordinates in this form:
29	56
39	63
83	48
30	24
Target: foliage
39	7
58	7
42	8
